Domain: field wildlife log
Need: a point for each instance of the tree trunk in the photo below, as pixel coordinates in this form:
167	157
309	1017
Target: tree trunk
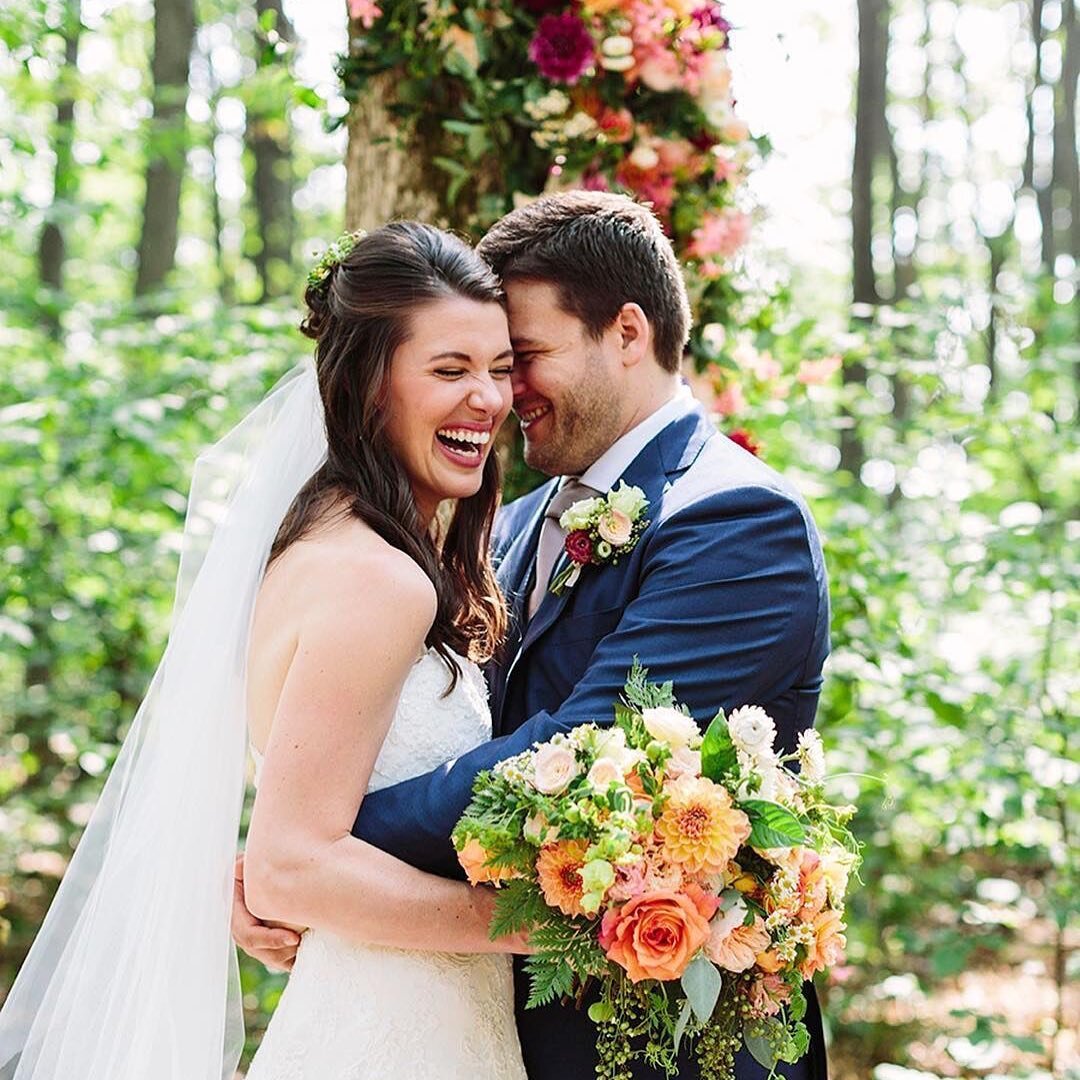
871	146
1066	160
174	33
388	172
268	138
51	249
872	152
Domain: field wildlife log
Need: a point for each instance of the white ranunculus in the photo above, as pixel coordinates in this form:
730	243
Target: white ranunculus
629	500
579	516
617	45
811	757
610	742
671	726
752	730
684	762
729	920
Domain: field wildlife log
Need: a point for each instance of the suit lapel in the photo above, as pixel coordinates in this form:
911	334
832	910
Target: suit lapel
670	453
514	575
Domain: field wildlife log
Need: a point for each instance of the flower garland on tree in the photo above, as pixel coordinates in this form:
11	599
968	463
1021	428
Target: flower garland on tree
630	95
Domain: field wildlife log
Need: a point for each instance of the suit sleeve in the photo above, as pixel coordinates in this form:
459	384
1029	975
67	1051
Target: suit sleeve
729	607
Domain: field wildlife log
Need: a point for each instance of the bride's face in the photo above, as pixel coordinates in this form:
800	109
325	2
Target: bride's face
447	394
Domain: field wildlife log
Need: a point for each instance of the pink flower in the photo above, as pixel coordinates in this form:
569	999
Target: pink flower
367	11
579	546
605	771
659	71
562	48
736	948
617	125
816	372
719	234
730	401
674	154
684	762
708	17
767	994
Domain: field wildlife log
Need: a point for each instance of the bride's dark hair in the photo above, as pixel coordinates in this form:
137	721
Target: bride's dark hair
358	314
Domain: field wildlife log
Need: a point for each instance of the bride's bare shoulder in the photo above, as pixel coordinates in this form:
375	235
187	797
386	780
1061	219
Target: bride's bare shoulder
350	571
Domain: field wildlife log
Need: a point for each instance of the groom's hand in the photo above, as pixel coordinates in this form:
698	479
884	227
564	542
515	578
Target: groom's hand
274	947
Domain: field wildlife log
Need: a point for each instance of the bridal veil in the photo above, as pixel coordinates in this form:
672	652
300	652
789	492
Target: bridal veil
133	975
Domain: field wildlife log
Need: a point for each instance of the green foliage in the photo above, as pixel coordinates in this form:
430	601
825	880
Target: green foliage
718	757
565	948
771	825
640	694
519	904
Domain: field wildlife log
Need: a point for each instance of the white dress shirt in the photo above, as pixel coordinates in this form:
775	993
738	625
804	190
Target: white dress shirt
603	474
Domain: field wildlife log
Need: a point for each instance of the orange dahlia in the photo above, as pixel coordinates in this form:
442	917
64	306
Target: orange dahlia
700	827
558	866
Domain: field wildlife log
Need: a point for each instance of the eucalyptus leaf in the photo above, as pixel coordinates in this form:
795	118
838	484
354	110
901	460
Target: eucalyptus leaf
702	982
761	1051
680	1024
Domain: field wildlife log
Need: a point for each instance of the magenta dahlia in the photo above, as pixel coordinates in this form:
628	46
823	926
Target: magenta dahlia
562	48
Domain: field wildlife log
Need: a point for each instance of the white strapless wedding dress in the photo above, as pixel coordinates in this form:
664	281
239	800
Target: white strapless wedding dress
355	1012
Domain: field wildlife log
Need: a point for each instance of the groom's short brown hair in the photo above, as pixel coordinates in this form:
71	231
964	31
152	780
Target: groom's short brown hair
601	250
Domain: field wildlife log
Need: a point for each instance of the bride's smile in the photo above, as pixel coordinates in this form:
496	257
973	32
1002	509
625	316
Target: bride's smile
447	394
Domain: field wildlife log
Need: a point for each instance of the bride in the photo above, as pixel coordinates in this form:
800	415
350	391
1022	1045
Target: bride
325	600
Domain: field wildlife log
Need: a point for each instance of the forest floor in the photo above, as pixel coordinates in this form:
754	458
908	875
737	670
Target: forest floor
997	1019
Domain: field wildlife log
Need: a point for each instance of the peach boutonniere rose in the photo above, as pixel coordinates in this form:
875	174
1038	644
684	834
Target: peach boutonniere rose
600	531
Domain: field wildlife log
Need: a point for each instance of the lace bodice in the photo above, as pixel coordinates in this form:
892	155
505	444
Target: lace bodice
354	1012
428	728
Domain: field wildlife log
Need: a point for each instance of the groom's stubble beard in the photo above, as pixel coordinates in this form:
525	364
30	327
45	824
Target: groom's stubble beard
585	424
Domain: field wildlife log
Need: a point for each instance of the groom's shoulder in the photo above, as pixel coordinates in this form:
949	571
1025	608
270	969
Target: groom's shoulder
724	475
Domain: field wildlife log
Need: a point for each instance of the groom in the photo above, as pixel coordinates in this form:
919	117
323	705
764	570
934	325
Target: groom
724	594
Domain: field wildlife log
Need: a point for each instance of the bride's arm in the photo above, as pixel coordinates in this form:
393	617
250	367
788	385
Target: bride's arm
361	629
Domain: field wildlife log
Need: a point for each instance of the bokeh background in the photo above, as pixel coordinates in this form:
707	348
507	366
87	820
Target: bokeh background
877	206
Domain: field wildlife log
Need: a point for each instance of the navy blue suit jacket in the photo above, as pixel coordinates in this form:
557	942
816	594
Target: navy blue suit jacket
725	594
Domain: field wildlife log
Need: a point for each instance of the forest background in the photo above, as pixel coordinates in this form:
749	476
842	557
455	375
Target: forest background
880	220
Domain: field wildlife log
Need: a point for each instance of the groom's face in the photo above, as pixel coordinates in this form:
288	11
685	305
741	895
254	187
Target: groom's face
566	383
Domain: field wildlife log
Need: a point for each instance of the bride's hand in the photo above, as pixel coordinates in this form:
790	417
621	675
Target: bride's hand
518	944
273	946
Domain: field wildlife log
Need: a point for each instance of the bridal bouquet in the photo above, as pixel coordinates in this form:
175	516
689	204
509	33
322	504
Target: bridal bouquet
688	884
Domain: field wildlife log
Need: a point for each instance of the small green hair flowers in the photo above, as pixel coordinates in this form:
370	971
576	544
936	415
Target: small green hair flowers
338	250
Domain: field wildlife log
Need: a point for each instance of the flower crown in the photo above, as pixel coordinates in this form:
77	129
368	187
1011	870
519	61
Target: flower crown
331	257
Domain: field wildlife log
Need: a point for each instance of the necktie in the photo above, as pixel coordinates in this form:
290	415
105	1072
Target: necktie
552	537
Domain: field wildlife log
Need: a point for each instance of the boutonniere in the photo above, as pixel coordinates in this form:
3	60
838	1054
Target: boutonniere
601	530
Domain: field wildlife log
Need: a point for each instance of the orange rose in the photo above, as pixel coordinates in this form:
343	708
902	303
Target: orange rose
655	935
828	945
474	857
